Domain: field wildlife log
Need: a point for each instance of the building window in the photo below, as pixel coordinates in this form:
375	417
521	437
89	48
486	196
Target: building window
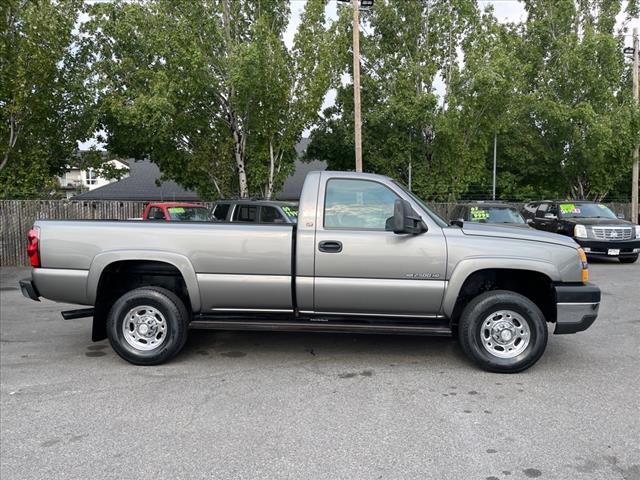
90	177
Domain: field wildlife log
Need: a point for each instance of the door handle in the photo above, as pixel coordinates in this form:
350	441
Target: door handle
330	246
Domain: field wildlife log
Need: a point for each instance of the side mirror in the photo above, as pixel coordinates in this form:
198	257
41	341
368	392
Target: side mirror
620	216
405	219
529	221
550	216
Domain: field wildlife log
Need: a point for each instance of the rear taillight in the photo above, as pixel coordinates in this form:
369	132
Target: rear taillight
33	246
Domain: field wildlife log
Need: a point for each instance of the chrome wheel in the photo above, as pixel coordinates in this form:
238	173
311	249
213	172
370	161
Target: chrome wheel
144	328
505	334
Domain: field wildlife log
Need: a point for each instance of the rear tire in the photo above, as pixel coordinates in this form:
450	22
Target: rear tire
148	325
503	331
631	259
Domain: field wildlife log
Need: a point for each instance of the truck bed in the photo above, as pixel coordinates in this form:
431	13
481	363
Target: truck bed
235	264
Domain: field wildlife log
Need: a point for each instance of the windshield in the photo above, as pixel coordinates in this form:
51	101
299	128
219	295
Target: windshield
494	215
188	214
291	211
436	218
585	210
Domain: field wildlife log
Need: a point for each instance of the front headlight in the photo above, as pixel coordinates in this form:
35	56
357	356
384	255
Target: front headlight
637	231
584	265
580	231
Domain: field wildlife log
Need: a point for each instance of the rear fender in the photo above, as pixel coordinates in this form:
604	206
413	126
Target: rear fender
182	263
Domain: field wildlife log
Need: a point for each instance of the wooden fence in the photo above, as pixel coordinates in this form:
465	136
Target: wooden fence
17	217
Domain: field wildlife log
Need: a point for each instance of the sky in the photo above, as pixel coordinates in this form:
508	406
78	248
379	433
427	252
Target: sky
504	10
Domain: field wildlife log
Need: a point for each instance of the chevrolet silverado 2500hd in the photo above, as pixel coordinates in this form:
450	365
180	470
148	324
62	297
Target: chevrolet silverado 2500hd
365	256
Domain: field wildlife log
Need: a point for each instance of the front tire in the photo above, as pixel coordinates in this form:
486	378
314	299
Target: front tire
148	325
630	259
503	331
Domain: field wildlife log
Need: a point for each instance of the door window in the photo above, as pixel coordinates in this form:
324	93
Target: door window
220	212
542	209
357	204
155	214
245	213
270	215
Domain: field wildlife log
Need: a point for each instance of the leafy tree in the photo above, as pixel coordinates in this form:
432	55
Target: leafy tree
44	107
208	89
572	124
554	89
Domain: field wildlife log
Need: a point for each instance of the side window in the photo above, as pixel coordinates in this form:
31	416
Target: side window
357	204
542	209
220	212
270	215
156	214
245	213
553	208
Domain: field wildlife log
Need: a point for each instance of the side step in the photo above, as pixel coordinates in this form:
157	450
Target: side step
79	313
307	326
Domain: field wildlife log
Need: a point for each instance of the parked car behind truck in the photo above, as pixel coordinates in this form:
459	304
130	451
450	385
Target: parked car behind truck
498	213
255	211
176	212
366	255
592	225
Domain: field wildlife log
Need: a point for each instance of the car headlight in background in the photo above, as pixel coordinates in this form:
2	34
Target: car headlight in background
580	231
637	231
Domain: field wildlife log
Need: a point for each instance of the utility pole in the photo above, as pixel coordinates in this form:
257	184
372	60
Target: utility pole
636	154
495	148
356	85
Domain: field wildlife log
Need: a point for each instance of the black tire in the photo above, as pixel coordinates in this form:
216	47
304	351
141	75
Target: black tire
176	318
480	309
631	259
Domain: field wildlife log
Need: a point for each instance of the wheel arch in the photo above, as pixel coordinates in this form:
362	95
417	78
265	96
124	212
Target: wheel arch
471	276
176	266
109	259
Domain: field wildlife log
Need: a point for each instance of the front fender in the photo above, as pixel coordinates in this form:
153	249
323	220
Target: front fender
182	263
468	266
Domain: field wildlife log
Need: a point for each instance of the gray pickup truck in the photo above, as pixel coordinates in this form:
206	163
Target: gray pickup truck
365	256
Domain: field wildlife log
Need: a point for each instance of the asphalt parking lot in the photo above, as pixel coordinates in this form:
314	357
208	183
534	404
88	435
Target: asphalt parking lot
320	406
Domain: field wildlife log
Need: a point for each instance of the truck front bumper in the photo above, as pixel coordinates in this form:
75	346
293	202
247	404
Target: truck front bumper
577	307
29	290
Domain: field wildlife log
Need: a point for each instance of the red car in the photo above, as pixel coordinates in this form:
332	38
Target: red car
176	212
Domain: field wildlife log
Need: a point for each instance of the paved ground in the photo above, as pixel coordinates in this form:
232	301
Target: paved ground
255	405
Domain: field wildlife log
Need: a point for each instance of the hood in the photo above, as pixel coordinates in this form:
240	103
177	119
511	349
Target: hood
597	221
529	234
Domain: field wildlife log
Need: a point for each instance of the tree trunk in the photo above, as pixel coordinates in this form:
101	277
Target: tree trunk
240	163
272	165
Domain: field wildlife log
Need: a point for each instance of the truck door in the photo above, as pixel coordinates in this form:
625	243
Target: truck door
362	268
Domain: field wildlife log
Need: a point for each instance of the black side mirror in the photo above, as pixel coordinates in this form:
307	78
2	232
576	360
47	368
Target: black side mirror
405	219
529	221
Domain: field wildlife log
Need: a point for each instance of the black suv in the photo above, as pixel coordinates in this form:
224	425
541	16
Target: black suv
592	225
255	211
489	212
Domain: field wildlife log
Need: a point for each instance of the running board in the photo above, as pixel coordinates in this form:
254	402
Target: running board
306	326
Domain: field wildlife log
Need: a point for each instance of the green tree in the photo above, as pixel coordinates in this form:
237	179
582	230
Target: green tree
44	107
406	48
208	89
567	123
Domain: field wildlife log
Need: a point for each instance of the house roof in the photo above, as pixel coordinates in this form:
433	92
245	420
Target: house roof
292	186
142	184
